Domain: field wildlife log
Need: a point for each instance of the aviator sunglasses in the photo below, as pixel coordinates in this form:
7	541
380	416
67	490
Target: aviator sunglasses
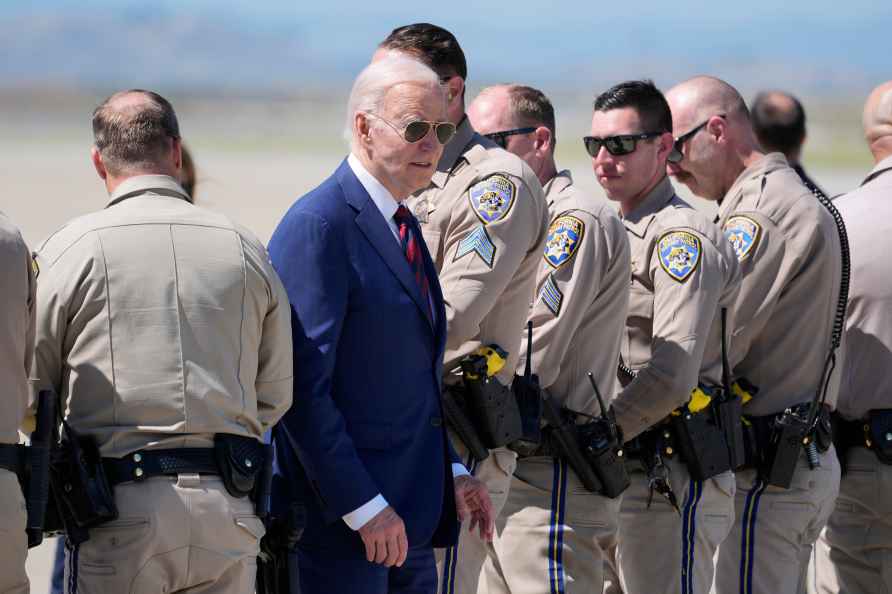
676	155
617	146
501	138
418	129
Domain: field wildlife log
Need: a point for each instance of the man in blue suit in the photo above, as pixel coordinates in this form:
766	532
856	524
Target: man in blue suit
364	445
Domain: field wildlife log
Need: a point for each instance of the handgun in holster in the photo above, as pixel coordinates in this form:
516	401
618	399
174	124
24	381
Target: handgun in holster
490	406
81	489
454	408
528	393
701	429
283	532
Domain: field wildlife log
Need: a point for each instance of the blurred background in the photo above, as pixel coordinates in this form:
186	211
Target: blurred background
260	87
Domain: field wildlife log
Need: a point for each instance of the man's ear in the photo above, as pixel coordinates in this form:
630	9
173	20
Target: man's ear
666	144
177	153
543	139
361	127
717	127
455	86
96	157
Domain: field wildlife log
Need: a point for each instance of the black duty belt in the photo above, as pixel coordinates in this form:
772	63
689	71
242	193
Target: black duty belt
848	434
145	464
12	458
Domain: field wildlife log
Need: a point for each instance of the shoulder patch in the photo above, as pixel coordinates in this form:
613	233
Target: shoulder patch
564	237
492	198
478	242
551	296
743	233
35	267
679	254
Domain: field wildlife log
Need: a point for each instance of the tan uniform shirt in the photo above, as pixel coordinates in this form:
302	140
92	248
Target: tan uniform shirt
484	219
582	298
683	273
789	253
16	329
866	381
161	323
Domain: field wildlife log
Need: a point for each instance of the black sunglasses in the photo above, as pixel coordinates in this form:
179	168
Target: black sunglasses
415	131
501	138
623	144
676	156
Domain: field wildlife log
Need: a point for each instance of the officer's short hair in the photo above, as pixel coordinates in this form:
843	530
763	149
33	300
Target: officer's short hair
530	107
778	129
433	45
134	136
372	84
644	97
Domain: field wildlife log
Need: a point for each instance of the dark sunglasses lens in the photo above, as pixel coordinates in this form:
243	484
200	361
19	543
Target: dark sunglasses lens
592	145
415	131
445	132
617	145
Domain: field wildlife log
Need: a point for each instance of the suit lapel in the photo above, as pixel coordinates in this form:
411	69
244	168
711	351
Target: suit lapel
375	228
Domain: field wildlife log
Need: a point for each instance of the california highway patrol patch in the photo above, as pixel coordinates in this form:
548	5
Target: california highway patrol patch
477	242
564	237
492	198
679	254
551	296
743	233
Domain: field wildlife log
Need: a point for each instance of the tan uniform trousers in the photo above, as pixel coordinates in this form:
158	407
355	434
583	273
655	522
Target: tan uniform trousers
13	540
769	549
182	534
854	552
662	551
460	567
551	535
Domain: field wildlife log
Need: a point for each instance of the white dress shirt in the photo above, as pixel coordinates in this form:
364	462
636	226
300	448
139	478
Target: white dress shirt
387	204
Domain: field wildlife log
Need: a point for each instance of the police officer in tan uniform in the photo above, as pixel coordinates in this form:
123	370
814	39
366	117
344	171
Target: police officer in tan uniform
682	272
854	553
790	254
578	316
484	219
162	327
16	343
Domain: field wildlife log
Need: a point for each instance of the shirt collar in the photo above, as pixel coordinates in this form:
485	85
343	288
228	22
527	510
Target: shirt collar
639	219
554	186
882	166
766	164
380	195
141	184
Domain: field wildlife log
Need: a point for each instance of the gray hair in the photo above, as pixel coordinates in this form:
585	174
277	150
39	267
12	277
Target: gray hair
377	78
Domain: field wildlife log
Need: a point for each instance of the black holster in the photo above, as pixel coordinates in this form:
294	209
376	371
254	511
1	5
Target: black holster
82	492
282	535
240	461
457	419
710	441
880	422
491	407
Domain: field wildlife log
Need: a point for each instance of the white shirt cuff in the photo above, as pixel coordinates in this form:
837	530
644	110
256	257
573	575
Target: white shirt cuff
459	470
361	516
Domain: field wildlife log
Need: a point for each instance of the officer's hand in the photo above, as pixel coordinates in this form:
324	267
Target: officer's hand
472	501
384	537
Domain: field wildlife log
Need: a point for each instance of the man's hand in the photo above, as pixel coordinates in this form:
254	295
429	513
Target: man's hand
472	502
384	537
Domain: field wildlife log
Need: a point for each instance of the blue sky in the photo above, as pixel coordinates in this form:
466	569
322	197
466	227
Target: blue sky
291	45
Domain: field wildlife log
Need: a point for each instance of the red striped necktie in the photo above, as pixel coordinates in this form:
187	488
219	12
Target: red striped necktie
412	250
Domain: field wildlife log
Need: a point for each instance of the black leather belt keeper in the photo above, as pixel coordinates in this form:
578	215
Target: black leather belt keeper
145	464
12	458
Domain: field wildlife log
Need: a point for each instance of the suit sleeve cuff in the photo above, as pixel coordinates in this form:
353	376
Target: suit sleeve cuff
459	470
361	516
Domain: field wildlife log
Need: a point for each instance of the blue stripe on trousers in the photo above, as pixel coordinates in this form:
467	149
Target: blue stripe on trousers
688	536
748	536
556	527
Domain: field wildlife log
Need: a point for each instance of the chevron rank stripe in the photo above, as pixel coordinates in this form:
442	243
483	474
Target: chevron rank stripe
551	296
477	242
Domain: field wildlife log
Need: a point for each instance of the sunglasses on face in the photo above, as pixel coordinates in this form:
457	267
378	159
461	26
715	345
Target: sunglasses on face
617	146
416	130
677	155
501	138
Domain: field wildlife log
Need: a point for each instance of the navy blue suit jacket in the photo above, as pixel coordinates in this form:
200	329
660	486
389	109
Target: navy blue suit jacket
366	417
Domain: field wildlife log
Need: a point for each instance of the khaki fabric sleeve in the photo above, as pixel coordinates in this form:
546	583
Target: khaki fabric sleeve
563	295
32	314
275	379
683	312
472	281
764	274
